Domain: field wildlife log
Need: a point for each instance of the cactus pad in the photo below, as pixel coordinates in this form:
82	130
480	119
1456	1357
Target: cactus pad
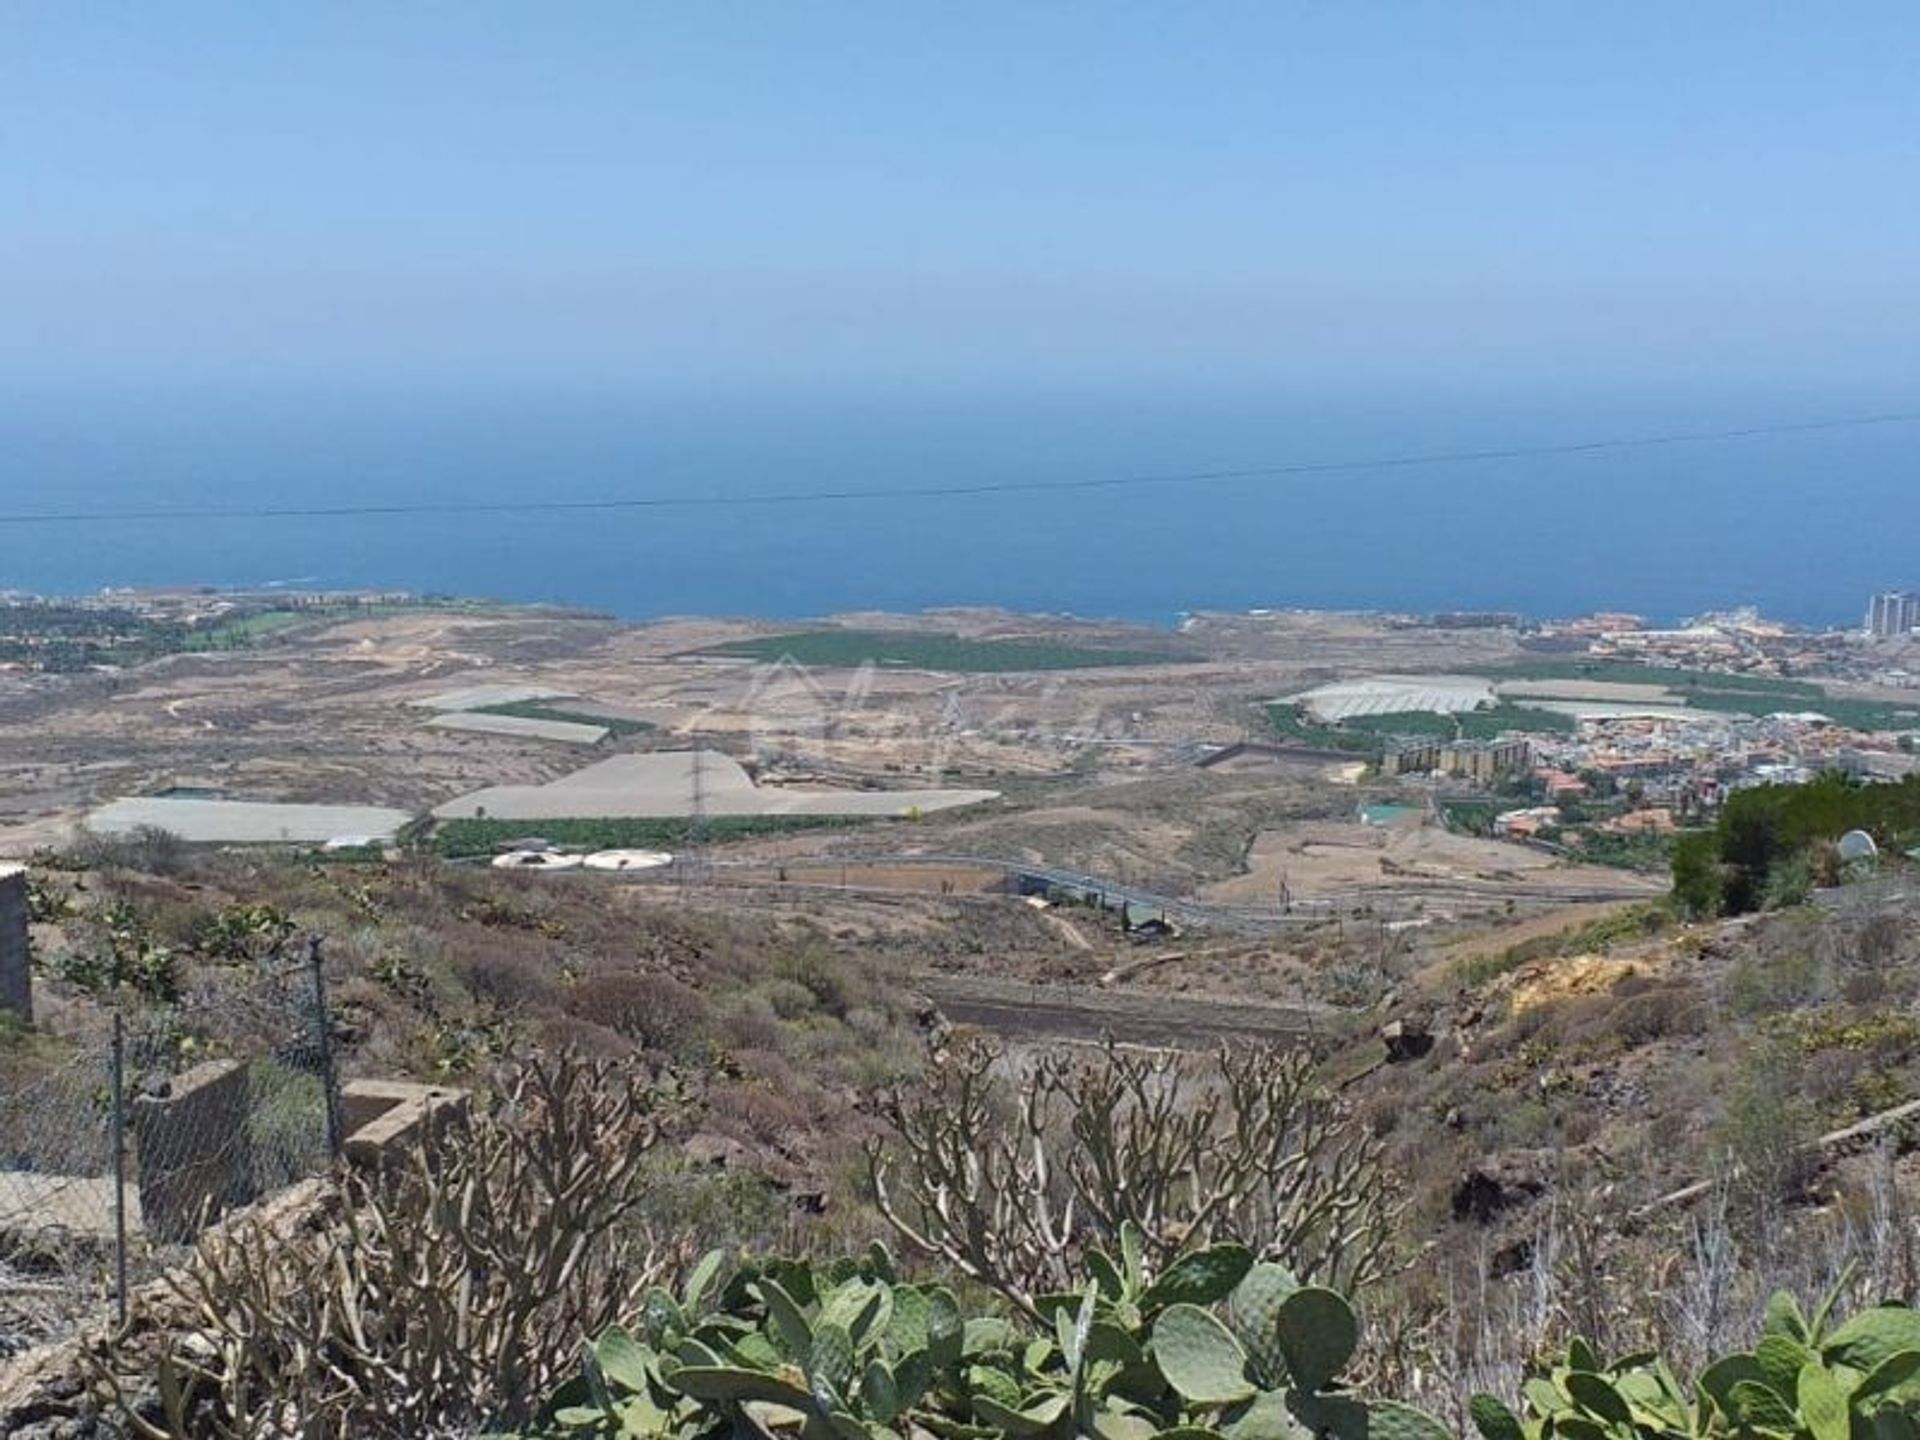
1317	1333
1390	1420
1199	1278
1867	1340
1199	1357
723	1384
1494	1420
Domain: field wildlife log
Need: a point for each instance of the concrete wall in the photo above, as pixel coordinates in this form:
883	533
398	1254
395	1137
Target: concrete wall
194	1150
16	979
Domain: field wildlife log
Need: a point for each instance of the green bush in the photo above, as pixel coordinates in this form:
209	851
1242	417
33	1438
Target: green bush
1789	883
117	951
1768	1127
1763	983
49	901
1730	869
822	975
1699	880
1214	1346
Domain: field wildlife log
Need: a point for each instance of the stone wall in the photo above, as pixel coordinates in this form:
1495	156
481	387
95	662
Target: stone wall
16	980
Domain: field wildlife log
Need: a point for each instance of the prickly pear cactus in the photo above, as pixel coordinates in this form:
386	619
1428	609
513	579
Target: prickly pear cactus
1200	1358
1203	1277
1317	1333
1254	1312
1872	1337
1390	1420
786	1350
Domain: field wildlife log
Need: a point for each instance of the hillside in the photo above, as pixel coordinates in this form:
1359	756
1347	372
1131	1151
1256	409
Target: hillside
1533	1085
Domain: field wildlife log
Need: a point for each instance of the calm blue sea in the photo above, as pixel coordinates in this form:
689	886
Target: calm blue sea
1804	525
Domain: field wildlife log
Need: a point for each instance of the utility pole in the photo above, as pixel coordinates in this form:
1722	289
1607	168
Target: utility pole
119	1081
323	1044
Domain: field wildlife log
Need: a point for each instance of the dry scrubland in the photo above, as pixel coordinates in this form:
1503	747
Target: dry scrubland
1569	1075
1412	857
328	714
1554	1063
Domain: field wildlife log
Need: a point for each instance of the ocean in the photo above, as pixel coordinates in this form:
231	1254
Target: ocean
1804	525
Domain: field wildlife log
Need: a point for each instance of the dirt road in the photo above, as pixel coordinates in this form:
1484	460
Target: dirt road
1021	1011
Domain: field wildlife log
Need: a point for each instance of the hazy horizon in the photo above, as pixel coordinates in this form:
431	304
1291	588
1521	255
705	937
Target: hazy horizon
619	249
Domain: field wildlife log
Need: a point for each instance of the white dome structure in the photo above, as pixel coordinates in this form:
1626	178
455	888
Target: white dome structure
535	860
628	860
1857	845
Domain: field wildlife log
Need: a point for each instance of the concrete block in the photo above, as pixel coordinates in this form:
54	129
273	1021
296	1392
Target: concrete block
194	1150
16	976
385	1117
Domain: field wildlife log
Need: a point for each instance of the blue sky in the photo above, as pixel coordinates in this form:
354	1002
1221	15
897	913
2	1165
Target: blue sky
893	197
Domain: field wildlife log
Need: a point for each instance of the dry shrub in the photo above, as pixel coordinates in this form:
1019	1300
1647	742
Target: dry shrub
146	849
789	999
1766	981
834	988
1009	1179
513	976
655	1012
748	1023
1767	1128
767	1114
1829	1077
1636	1012
570	1032
1660	1010
442	1295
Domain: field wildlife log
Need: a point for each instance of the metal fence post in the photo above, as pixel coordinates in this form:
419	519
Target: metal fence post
323	1040
119	1085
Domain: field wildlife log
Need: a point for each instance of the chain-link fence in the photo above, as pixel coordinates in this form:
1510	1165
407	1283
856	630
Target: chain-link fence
58	1238
114	1159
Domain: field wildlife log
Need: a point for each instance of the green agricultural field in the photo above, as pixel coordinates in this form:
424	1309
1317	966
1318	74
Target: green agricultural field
1683	682
1292	723
930	651
237	634
1483	724
1728	694
1870	714
539	710
1366	736
469	839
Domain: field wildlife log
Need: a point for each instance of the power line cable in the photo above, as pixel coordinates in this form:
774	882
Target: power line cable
959	490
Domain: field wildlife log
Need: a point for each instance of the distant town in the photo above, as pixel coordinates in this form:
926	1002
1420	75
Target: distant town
1613	734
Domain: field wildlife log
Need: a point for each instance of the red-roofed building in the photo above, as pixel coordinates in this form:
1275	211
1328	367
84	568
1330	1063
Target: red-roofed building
1559	785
